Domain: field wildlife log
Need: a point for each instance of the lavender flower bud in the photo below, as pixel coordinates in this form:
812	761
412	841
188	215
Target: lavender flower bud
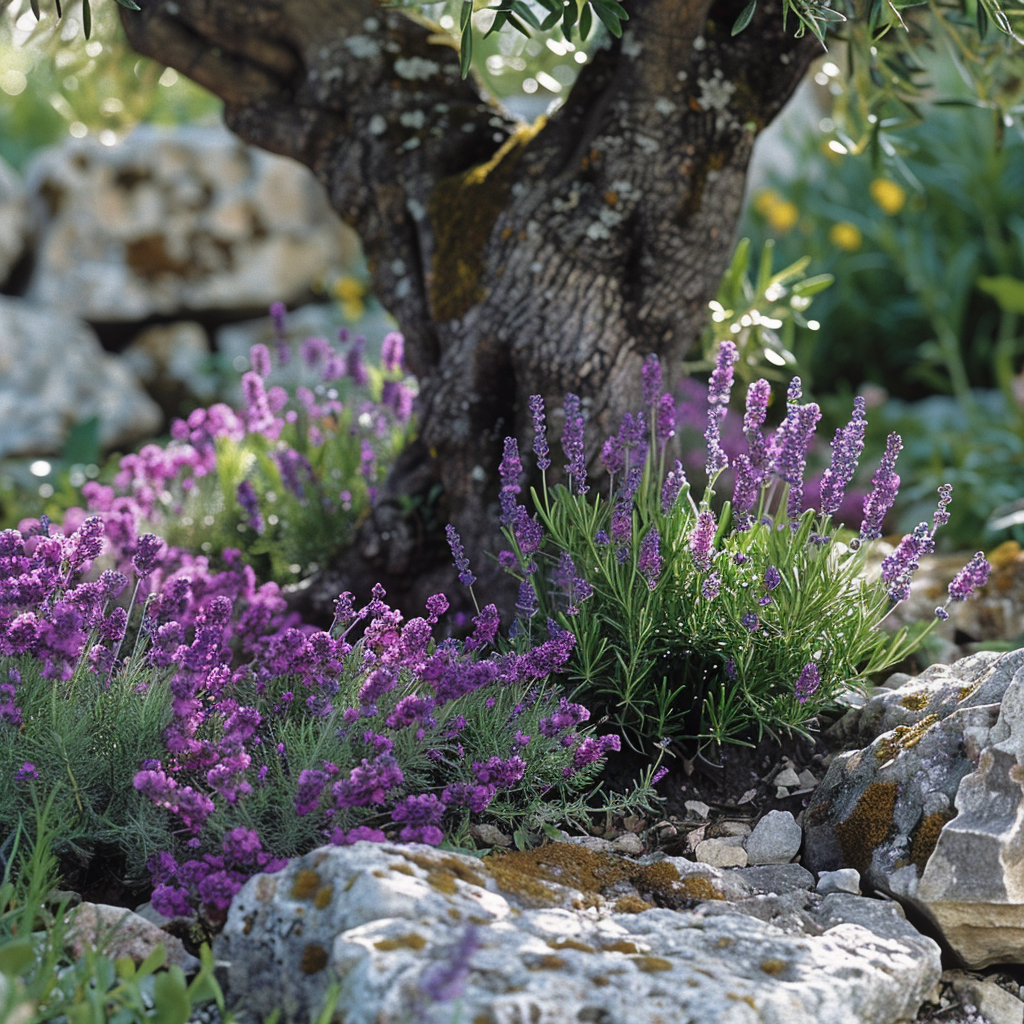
147	555
574	587
744	491
758	395
718	404
540	439
510	469
847	446
466	578
259	359
711	587
941	516
701	538
649	560
675	480
392	350
526	603
972	576
899	567
808	681
650	376
885	484
789	451
665	420
572	445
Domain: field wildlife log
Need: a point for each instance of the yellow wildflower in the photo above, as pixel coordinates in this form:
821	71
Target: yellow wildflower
348	289
780	213
846	236
889	196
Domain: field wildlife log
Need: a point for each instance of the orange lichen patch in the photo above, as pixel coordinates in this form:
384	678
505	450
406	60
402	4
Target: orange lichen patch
402	869
916	701
410	941
445	865
773	965
723	943
620	946
611	198
484	1018
454	913
651	964
868	825
314	959
965	691
903	737
925	836
1004	555
522	871
323	897
600	981
741	999
631	905
547	962
307	882
442	881
571	944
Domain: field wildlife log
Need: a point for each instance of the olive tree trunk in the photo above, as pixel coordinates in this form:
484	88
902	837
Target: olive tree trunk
518	259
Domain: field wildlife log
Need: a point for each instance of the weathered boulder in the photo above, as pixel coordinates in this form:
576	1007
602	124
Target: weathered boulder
932	811
15	221
168	222
775	840
174	362
53	373
564	934
119	932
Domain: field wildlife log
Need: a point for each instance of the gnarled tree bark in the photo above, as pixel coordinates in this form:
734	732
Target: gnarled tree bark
517	259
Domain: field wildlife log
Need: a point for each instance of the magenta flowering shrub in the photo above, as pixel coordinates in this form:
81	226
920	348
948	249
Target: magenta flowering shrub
702	624
285	478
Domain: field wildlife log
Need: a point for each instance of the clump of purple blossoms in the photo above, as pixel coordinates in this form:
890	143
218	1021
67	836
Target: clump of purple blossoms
885	484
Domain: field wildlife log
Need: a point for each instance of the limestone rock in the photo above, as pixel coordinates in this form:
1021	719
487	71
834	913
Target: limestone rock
990	1000
843	880
53	373
932	811
775	840
119	932
15	221
174	221
722	853
412	932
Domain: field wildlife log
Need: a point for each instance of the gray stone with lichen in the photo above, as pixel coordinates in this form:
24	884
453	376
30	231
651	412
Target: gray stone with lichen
932	811
385	920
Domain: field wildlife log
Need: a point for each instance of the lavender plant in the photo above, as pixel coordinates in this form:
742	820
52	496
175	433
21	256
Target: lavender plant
713	627
222	736
286	478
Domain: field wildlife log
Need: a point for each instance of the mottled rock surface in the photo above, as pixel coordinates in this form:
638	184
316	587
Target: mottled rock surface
119	932
53	374
171	221
932	810
775	840
398	923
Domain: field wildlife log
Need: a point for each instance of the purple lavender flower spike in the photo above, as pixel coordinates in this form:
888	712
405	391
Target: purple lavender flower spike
701	538
756	412
572	585
751	622
675	481
572	445
250	505
354	366
649	560
972	576
259	359
526	603
466	578
540	438
898	568
772	578
808	682
885	484
278	314
718	404
147	555
847	446
941	516
650	376
789	452
510	469
744	492
712	586
392	351
665	420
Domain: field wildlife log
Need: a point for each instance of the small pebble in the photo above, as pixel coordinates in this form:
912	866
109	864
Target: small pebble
843	880
721	853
